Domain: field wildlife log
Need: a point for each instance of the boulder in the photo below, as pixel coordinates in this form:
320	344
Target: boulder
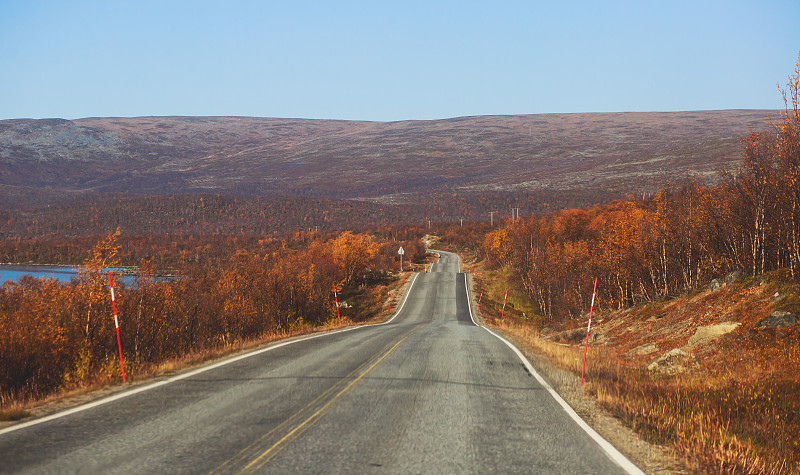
716	284
644	349
596	337
733	277
569	336
673	361
778	319
711	331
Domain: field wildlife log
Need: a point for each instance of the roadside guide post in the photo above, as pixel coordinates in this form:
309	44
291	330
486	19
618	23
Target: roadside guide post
503	311
588	327
116	324
336	297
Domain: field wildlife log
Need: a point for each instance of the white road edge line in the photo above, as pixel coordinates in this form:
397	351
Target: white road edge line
402	304
611	451
469	300
180	377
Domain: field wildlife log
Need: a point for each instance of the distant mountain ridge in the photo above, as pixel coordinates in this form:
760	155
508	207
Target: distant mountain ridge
337	159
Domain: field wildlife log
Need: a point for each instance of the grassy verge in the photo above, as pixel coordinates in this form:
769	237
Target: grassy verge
733	407
13	414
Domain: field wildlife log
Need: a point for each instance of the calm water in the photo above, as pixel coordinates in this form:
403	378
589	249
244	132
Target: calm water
14	272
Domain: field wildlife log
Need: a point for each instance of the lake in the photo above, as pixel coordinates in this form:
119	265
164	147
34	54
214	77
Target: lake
14	272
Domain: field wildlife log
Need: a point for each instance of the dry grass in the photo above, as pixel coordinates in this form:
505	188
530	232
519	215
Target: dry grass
734	410
721	426
13	415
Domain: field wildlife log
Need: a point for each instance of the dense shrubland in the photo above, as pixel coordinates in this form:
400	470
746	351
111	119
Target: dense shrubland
56	336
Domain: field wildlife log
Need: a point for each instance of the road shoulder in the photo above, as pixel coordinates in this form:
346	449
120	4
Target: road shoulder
650	458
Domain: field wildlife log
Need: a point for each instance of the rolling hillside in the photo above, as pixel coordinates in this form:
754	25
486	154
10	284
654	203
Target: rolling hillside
390	162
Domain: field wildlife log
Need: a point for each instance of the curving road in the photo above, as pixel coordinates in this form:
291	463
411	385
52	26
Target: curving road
427	392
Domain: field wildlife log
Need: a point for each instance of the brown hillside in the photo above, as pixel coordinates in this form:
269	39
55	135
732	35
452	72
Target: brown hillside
625	152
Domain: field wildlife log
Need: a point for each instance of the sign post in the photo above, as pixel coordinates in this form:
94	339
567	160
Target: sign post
401	252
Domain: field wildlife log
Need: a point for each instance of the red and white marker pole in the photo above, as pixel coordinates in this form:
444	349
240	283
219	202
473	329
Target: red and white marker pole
116	324
336	296
503	311
588	327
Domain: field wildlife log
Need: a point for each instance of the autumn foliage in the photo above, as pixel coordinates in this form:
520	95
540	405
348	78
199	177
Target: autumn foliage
56	336
733	408
674	241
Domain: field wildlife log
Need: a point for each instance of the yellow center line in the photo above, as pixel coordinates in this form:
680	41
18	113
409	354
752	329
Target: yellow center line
268	454
243	453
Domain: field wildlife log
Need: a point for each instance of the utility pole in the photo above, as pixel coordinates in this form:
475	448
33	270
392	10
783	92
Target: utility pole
491	218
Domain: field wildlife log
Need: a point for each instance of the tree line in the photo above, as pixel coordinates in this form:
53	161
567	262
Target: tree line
206	214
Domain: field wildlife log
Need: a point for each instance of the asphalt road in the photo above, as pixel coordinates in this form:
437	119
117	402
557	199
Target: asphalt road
428	392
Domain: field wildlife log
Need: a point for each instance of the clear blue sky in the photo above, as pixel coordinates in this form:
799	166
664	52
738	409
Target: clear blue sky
376	60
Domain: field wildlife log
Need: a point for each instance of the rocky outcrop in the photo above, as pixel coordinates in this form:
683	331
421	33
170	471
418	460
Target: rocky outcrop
778	319
710	331
645	349
734	276
729	279
674	361
678	359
